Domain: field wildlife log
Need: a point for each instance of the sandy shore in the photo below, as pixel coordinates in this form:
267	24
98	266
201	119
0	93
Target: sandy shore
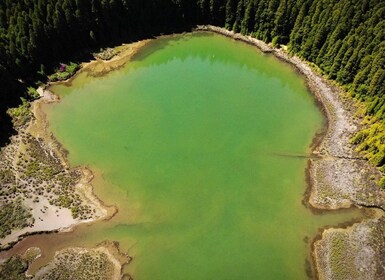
47	216
99	67
338	177
51	218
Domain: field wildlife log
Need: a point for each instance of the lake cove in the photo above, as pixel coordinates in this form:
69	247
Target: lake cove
201	143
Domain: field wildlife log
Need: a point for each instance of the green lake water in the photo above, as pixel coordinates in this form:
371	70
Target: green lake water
190	139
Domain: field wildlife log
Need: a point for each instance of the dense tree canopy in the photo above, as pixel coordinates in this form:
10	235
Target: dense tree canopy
345	38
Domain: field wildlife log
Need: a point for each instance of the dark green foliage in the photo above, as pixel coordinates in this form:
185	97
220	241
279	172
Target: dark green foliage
13	269
382	182
20	115
345	38
32	93
371	141
13	216
35	35
69	71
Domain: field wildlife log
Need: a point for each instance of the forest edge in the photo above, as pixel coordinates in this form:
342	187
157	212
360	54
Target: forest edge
338	176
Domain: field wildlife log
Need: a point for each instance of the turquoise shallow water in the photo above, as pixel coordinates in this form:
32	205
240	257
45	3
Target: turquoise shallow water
191	137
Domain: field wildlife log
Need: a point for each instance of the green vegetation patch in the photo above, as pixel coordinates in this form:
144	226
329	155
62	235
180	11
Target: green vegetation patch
13	269
79	264
32	93
341	263
370	143
21	115
6	176
30	170
38	172
64	72
13	215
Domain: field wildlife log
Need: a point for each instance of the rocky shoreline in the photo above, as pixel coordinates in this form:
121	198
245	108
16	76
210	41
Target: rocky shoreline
338	177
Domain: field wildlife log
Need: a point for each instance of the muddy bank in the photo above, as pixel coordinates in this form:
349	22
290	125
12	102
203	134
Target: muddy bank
338	177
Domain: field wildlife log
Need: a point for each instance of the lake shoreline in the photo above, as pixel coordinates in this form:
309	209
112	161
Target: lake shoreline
325	149
99	67
337	176
38	128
